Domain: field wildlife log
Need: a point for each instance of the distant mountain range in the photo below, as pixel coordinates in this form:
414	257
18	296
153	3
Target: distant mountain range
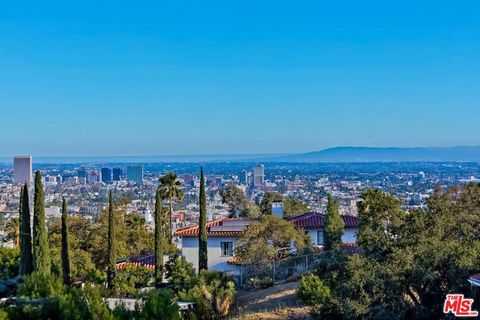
338	154
369	154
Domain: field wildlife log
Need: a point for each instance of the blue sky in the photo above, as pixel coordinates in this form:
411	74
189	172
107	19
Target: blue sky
201	77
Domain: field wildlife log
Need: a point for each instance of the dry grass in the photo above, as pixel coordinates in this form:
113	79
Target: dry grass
300	313
277	302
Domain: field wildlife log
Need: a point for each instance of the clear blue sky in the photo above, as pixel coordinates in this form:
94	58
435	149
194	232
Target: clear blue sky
200	77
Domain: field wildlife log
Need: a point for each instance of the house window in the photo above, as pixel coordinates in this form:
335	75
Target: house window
320	237
227	249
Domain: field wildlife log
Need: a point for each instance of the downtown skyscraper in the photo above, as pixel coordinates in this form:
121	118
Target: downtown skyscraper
258	175
22	169
135	174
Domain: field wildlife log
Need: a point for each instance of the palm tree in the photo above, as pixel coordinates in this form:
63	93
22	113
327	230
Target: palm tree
170	190
13	231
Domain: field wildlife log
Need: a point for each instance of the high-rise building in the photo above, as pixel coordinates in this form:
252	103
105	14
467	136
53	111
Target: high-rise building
106	175
259	175
135	174
93	177
243	177
117	174
82	176
188	179
22	169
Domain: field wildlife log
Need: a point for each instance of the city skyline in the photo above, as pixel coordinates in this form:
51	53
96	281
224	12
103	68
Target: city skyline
236	78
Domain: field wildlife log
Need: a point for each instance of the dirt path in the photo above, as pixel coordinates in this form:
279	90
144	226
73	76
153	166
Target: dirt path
277	302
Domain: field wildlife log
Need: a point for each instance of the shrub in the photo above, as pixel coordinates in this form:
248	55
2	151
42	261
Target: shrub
39	285
159	305
180	274
312	291
69	303
128	282
9	263
213	295
259	282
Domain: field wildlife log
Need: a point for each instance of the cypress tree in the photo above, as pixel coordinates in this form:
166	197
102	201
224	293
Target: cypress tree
159	239
334	225
65	246
112	246
202	234
26	263
41	253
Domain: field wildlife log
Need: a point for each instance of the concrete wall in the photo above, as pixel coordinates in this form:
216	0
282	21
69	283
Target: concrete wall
216	262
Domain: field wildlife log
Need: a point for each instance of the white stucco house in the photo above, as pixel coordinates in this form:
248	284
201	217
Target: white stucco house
222	236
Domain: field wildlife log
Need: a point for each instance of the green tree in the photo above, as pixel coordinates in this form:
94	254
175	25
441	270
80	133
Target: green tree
334	226
380	216
79	230
26	259
410	260
132	236
250	210
55	301
202	234
159	239
180	273
294	207
313	291
130	280
263	239
65	245
159	305
170	189
40	250
13	231
112	260
234	198
267	200
9	263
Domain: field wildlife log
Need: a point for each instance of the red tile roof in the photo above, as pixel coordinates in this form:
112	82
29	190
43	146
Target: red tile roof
193	231
316	220
147	260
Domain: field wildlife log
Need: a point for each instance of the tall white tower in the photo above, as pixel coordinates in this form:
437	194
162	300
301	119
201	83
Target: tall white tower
22	169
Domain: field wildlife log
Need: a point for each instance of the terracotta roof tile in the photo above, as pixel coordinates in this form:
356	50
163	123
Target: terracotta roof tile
316	220
193	231
147	260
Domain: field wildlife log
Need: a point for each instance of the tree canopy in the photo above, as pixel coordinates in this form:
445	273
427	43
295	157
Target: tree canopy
409	260
334	225
262	239
239	205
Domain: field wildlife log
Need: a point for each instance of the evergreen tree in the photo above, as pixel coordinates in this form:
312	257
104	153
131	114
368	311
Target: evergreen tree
112	246
334	225
159	239
26	263
65	246
41	252
202	234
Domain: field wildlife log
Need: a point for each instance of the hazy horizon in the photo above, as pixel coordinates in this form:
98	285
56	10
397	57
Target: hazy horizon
242	157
